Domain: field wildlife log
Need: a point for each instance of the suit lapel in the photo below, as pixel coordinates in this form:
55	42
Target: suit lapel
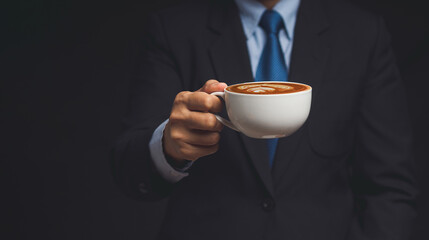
231	63
228	50
310	45
309	56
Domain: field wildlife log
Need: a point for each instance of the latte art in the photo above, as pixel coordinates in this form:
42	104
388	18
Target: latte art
268	88
263	88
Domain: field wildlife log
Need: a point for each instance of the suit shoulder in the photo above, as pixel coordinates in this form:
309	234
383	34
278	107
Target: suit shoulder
184	16
349	11
348	7
349	15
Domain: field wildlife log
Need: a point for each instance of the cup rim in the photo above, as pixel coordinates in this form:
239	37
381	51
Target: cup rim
266	95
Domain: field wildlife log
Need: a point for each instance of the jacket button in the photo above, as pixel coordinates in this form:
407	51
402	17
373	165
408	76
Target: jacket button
267	204
142	188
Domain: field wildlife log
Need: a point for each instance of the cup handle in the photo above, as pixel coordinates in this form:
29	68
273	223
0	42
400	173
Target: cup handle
221	119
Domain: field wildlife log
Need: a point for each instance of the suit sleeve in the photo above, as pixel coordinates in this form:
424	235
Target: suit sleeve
382	168
152	93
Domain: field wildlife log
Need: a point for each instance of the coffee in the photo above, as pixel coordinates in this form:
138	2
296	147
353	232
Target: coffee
268	88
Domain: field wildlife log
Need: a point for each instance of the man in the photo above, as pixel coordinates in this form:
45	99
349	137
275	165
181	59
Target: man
346	174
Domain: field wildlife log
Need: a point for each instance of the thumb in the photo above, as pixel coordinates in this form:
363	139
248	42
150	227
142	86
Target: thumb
213	86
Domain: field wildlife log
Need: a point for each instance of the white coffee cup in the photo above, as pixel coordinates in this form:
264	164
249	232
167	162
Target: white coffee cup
266	115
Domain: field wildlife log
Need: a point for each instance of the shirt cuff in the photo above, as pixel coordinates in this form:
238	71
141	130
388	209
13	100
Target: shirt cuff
159	160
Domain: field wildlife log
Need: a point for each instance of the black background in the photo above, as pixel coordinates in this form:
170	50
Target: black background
65	72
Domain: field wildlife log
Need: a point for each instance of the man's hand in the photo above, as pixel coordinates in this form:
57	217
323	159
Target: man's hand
192	130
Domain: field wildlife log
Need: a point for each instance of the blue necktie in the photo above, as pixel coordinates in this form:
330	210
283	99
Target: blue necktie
272	65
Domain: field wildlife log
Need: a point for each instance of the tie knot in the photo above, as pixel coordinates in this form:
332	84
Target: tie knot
271	22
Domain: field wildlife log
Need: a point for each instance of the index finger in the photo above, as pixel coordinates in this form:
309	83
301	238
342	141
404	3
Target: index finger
201	101
213	86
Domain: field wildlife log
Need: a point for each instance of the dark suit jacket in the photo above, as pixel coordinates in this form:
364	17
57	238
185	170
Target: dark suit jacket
346	174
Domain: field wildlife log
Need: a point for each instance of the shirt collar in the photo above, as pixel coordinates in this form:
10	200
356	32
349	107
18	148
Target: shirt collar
251	12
